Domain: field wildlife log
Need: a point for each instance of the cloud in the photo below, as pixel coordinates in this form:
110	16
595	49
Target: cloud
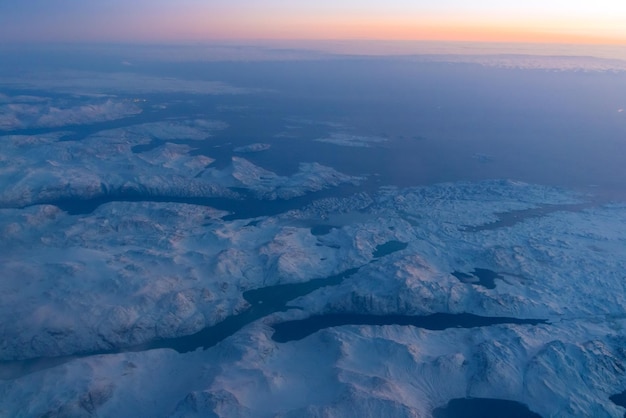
257	147
197	129
22	99
54	114
348	140
74	82
533	62
108	110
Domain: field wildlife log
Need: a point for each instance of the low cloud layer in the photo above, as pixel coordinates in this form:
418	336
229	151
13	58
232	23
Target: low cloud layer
42	113
78	82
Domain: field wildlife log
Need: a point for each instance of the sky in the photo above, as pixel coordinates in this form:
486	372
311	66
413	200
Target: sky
554	21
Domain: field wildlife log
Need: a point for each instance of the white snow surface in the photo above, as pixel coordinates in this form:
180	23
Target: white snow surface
129	273
311	177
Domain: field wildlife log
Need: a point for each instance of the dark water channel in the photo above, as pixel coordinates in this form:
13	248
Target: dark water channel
389	248
263	302
508	219
620	400
245	207
480	277
269	300
319	230
484	408
299	329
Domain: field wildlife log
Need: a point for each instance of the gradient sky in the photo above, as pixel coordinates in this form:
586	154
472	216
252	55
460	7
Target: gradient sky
573	21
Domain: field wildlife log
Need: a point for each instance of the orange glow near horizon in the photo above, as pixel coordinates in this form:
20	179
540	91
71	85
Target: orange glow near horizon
424	28
574	22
